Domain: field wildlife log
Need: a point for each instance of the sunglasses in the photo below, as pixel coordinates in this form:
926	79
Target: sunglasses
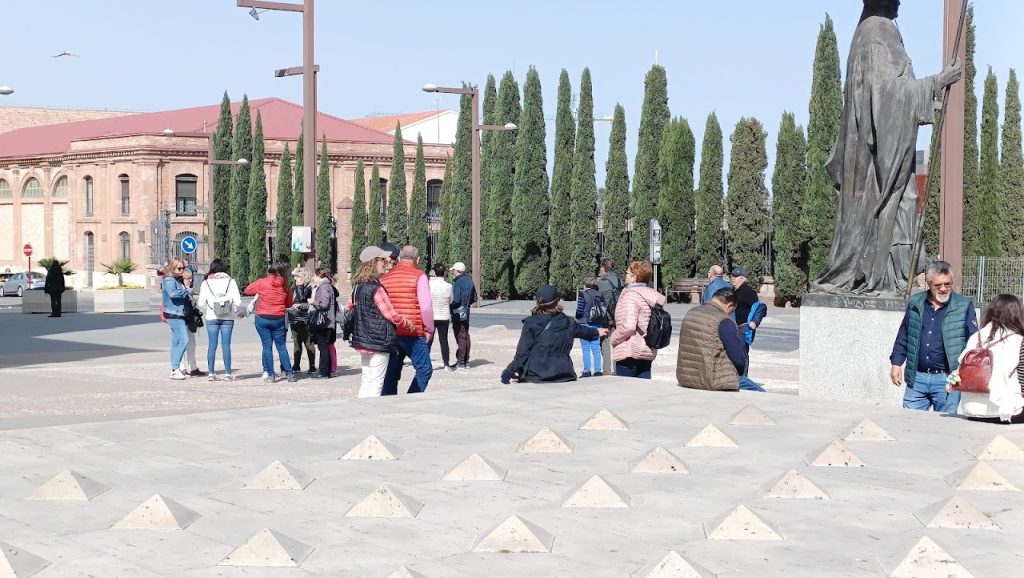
179	268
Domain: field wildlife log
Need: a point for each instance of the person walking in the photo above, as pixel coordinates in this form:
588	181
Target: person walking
274	299
633	357
609	286
54	286
409	290
193	320
173	297
441	301
545	343
374	320
324	301
590	311
463	297
219	300
302	338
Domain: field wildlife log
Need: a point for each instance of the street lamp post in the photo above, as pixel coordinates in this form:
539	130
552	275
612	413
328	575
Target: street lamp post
308	71
210	162
474	93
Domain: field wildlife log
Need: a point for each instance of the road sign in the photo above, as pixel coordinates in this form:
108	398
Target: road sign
188	245
302	239
28	249
655	242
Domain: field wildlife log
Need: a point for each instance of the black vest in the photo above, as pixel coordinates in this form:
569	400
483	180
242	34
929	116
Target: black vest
370	331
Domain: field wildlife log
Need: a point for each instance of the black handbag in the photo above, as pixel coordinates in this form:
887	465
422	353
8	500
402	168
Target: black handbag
193	317
317	319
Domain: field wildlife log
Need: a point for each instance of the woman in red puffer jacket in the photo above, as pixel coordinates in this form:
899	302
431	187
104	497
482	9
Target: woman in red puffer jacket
273	296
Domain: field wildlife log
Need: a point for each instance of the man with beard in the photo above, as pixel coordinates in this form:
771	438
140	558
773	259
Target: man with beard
934	332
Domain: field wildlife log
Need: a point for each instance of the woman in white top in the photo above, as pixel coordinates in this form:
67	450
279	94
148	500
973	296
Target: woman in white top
441	299
220	300
1001	333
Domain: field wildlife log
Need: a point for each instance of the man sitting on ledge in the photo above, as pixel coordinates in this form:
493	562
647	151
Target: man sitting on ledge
711	349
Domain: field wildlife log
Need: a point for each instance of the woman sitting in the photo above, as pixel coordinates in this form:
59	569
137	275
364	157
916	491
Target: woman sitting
1002	333
546	341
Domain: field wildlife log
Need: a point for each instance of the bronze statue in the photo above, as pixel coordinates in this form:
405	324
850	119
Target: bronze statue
873	160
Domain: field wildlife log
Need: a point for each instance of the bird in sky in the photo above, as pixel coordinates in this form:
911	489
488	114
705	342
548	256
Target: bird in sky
65	53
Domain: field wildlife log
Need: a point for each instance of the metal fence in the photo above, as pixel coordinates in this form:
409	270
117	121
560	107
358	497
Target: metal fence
986	277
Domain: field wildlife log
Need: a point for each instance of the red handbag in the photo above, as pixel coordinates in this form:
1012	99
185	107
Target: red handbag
976	369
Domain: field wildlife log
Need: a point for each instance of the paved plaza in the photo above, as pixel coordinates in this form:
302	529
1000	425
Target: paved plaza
601	477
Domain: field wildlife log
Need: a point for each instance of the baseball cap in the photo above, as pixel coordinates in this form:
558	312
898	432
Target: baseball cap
460	267
391	249
546	294
739	272
372	252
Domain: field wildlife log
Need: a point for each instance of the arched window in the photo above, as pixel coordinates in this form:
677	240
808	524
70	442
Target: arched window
434	198
5	191
383	202
60	190
32	190
176	248
89	197
126	205
125	241
185	195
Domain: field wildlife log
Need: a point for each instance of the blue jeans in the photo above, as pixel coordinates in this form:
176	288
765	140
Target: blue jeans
929	392
272	332
179	340
633	368
223	329
415	348
591	350
747	384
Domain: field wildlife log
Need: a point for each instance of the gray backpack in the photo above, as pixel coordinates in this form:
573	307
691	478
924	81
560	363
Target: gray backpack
221	302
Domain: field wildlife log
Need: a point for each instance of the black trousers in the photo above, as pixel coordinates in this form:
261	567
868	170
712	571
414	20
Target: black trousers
322	338
55	304
441	332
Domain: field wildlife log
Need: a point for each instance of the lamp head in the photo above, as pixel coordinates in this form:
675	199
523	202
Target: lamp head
242	162
5	90
168	132
429	88
511	126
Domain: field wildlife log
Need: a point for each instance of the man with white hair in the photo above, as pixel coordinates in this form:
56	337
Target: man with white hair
931	338
716	281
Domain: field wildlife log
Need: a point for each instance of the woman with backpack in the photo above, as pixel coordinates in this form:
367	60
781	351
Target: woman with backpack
545	343
274	298
219	300
591	311
633	357
322	306
1001	335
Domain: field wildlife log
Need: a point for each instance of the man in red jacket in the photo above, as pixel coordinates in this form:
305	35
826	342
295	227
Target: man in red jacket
409	291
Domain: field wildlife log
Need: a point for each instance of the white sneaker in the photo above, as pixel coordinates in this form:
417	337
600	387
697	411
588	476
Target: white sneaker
268	378
177	374
229	376
212	377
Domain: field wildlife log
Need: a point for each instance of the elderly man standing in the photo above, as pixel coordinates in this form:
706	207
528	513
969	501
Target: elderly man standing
409	291
716	281
931	338
463	296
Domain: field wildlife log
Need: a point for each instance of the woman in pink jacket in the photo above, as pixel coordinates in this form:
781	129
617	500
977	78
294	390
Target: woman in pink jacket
633	358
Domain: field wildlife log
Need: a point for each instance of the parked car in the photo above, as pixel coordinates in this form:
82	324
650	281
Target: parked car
18	283
3	279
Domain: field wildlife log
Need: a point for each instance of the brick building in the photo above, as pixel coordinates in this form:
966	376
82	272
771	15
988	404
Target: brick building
97	190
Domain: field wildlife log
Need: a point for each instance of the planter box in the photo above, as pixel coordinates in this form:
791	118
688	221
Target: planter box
35	301
120	300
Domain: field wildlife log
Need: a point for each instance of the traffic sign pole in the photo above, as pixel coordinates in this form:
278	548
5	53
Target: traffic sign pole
27	249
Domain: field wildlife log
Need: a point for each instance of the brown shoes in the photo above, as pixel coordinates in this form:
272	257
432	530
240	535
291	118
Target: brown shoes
197	373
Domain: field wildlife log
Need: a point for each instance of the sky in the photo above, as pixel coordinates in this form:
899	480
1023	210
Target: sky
738	58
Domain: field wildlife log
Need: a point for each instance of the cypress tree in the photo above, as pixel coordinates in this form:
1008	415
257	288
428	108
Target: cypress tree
1012	172
256	207
675	202
443	236
398	194
561	184
615	199
826	110
654	116
973	216
788	181
358	217
989	215
490	116
932	221
298	215
324	212
709	199
374	233
221	206
499	271
584	189
241	148
460	223
283	240
531	205
418	210
748	198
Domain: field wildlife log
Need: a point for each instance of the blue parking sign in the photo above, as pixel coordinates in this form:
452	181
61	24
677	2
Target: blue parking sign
188	245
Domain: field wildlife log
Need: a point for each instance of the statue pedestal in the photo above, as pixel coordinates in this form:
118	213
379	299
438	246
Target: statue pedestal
845	342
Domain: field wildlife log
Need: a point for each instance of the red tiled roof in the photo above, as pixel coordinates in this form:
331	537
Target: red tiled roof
281	121
387	123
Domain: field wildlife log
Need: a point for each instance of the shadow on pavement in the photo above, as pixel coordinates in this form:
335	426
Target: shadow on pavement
37	339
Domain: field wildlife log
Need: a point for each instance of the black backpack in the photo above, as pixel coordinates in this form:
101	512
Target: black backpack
612	304
598	313
659	329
